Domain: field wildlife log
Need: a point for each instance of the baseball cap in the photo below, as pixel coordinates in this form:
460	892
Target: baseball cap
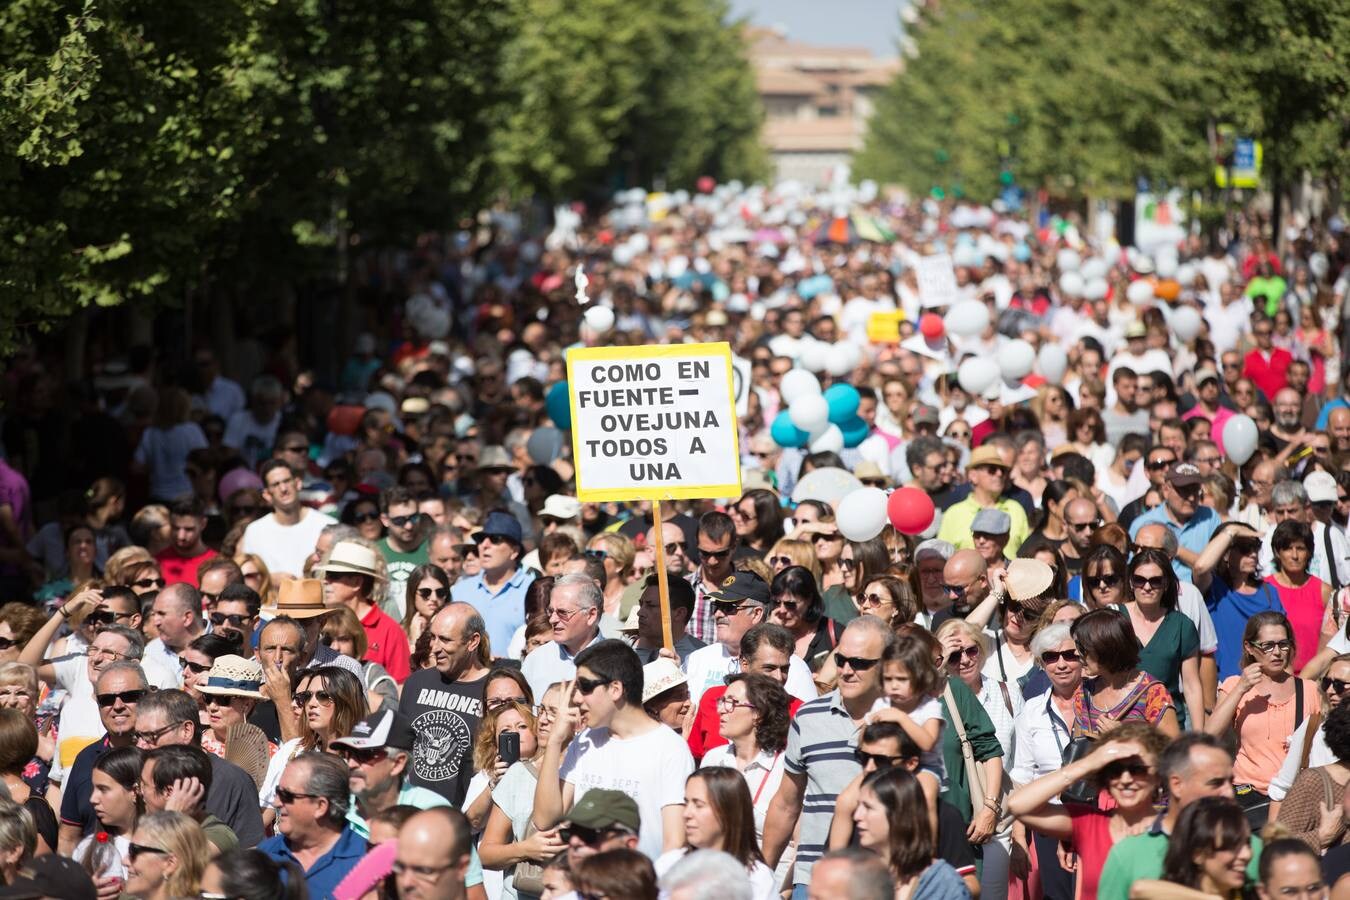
742	586
1321	488
382	729
923	414
561	506
50	876
1184	474
604	808
991	521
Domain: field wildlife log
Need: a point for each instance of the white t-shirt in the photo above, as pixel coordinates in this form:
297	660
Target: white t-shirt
253	439
164	452
709	667
651	768
284	547
927	711
762	776
762	883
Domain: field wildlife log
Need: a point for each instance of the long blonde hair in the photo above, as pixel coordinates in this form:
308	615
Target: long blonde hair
184	839
267	589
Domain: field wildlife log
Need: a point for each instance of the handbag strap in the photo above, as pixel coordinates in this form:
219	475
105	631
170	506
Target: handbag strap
1328	789
955	713
1298	702
1007	699
1314	723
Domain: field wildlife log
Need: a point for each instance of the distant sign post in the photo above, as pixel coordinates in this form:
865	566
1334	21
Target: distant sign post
937	281
654	423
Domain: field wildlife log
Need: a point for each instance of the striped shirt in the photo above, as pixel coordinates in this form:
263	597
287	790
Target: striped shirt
820	746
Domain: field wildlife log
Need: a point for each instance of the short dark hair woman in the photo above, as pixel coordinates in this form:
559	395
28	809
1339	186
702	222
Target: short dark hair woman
1303	595
759	519
1115	685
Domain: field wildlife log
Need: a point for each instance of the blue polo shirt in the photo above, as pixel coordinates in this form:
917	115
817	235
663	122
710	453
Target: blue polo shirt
503	612
1193	535
328	870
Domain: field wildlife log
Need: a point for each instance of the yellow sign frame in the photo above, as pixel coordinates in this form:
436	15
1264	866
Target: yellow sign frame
719	349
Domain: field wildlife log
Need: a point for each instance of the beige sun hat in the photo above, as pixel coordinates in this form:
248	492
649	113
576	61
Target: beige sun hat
1028	579
659	676
299	598
234	676
349	556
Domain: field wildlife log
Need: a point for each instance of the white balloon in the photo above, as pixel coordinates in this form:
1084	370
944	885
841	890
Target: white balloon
976	374
1096	289
1140	291
839	360
831	440
813	356
600	318
1052	362
1071	284
798	383
1166	264
1186	274
1068	260
968	318
1096	267
1186	323
1239	439
810	413
861	515
1016	359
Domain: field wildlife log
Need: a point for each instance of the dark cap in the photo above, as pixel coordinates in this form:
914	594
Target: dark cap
925	415
379	730
1184	474
742	586
500	524
50	876
602	808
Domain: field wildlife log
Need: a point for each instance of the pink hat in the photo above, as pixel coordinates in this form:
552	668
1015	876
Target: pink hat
238	480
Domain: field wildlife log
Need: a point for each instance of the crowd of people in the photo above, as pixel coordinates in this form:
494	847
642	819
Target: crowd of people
359	638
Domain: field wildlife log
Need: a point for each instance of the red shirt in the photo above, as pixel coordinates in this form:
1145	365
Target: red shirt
181	569
1269	375
387	644
706	732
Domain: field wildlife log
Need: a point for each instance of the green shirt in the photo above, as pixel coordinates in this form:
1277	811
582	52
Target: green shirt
839	605
957	519
1175	641
1140	858
983	742
400	567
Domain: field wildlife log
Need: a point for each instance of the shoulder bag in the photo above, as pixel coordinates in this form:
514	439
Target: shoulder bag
975	781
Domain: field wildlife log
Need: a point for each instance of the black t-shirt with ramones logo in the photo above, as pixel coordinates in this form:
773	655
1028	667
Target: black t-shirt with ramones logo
445	717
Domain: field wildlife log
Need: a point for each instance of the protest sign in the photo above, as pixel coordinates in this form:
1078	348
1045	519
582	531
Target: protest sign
884	327
654	422
937	281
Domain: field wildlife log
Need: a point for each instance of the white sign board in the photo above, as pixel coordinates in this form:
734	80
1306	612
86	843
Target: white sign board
655	422
937	281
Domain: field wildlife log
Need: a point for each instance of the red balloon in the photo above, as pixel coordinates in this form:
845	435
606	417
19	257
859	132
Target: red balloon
930	325
910	510
706	183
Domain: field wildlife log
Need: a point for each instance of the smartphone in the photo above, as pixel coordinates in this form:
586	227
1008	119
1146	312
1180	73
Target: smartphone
508	747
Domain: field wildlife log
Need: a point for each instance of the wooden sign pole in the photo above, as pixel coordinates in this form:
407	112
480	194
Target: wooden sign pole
661	575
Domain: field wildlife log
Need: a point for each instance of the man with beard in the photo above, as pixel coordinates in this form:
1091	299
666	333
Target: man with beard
379	754
1288	426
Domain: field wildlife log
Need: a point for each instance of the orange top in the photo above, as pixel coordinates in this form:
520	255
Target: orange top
1263	729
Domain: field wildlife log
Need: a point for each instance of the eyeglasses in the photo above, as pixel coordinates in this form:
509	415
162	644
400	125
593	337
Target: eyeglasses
956	590
302	698
135	850
563	615
195	668
1153	585
405	521
1272	646
128	698
587	686
288	797
148	583
152	737
219	619
499	702
880	760
428	593
362	518
1136	767
971	652
1050	657
363	756
731	704
1334	685
102	653
1097	582
856	663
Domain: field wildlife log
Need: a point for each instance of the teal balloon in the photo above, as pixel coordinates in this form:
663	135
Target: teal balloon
843	400
785	434
855	431
559	406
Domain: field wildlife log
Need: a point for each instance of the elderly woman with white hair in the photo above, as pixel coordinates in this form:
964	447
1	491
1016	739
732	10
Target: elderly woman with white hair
1041	731
926	581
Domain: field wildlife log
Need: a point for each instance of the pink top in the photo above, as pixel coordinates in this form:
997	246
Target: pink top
1305	609
1092	842
366	875
1263	729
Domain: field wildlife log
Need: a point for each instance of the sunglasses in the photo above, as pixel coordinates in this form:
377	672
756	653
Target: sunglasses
148	583
135	850
714	554
783	602
362	756
302	698
880	760
1272	646
1334	685
728	607
1051	657
405	521
428	593
783	561
499	702
848	563
128	698
195	668
289	797
1157	464
875	599
219	619
1136	767
1153	585
587	686
7	643
244	510
856	663
1083	526
362	518
971	652
1013	607
1097	582
588	836
594	554
103	617
956	590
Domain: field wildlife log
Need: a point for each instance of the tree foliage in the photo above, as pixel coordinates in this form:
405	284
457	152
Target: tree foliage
1087	96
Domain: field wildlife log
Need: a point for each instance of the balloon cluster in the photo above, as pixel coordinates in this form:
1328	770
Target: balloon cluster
821	421
863	513
836	360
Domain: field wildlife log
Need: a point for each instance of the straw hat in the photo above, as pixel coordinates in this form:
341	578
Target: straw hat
659	676
299	598
1027	579
349	556
234	676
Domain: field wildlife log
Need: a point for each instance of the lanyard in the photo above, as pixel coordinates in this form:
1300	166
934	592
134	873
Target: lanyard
765	780
1056	723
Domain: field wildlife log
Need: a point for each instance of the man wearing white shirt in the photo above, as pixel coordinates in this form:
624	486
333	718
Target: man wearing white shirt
177	617
740	604
286	536
574	611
